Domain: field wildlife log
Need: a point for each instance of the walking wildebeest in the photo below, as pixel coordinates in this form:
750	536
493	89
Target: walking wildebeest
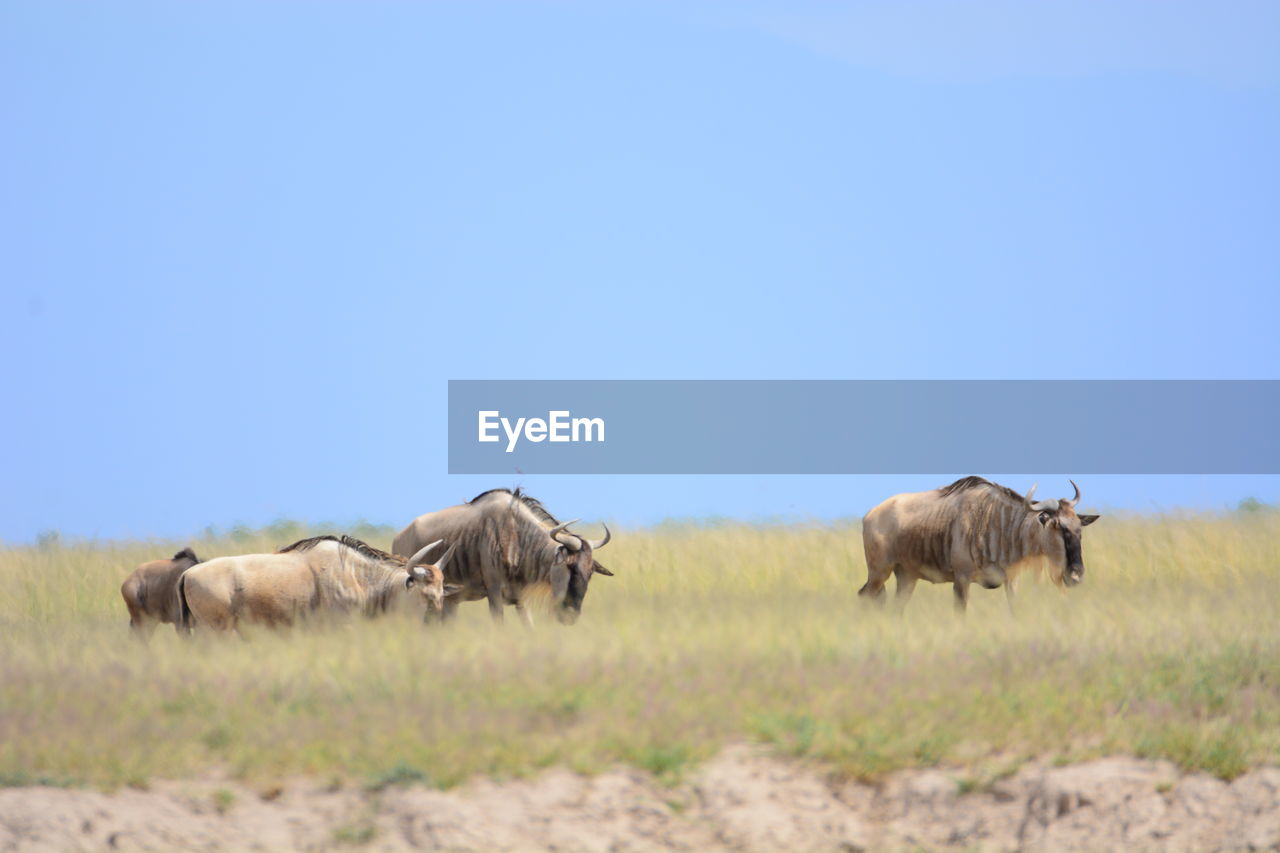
321	574
508	542
151	592
971	530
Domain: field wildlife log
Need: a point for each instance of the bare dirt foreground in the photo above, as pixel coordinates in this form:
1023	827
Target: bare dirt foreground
742	800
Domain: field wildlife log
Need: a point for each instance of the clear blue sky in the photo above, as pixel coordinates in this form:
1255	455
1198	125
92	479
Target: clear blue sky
244	245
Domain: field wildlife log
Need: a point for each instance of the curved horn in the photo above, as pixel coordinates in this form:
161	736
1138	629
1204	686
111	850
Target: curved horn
597	544
1076	499
1050	504
572	541
422	553
1031	494
447	554
561	526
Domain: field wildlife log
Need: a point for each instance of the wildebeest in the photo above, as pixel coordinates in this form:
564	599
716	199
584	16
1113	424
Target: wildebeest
508	542
972	530
151	592
333	574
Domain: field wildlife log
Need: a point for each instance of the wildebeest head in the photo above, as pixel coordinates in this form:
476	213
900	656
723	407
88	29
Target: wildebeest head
573	565
429	578
1058	515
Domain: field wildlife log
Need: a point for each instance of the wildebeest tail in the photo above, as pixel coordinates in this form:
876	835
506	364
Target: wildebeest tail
184	610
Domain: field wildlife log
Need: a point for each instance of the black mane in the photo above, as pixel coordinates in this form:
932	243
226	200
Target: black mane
964	484
186	554
535	506
351	542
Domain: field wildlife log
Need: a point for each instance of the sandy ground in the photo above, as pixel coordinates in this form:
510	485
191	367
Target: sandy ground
743	800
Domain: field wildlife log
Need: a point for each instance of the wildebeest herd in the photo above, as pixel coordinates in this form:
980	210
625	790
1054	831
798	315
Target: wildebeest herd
503	542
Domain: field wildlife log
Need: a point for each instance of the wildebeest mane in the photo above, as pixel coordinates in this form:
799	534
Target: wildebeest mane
518	538
964	484
357	545
989	521
518	494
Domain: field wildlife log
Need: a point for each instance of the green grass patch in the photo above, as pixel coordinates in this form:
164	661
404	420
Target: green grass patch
1223	752
356	834
23	779
398	776
223	800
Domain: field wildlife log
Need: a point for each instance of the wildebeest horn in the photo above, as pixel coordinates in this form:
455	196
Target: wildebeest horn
1040	506
1076	499
597	544
573	541
422	553
447	554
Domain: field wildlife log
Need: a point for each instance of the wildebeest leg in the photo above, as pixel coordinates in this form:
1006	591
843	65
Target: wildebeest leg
141	627
449	610
906	583
961	588
877	574
494	574
495	608
525	615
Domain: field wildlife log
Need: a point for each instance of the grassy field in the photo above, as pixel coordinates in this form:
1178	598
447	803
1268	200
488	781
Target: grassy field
708	634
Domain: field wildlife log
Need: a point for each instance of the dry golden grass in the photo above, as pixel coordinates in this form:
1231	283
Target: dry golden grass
708	634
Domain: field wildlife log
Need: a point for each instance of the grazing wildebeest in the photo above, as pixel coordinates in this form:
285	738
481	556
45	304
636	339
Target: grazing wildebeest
333	574
151	592
507	543
971	530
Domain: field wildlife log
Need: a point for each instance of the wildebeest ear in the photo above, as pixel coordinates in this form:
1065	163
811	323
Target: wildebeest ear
408	582
452	589
601	570
1045	516
1086	520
